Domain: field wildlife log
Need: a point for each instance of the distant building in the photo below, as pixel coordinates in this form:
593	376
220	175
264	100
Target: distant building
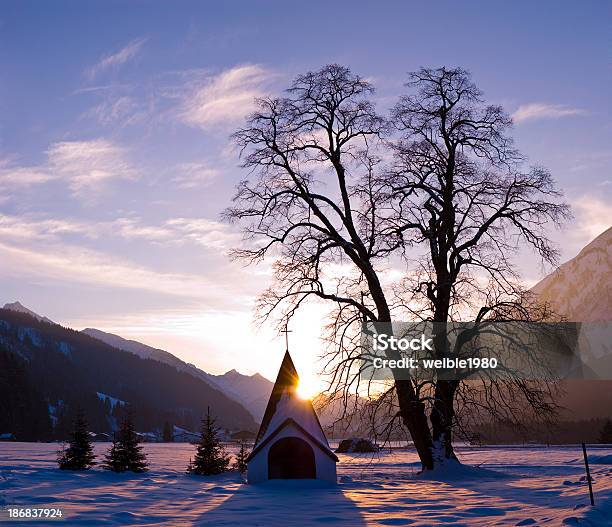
148	437
291	443
180	435
243	435
100	436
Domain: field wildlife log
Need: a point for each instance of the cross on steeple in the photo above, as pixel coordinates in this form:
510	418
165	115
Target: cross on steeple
286	331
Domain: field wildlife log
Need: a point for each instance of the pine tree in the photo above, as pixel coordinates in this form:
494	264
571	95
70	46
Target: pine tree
126	453
210	457
79	454
240	464
605	435
167	433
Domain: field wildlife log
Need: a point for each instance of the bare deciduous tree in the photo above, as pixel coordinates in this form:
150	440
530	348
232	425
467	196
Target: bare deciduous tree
337	194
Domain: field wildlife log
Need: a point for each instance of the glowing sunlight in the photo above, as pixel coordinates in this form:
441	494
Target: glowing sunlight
309	386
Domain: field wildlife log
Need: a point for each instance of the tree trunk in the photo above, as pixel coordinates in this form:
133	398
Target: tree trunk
415	420
442	416
412	410
443	408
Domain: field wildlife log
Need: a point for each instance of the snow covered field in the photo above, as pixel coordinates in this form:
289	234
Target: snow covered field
512	486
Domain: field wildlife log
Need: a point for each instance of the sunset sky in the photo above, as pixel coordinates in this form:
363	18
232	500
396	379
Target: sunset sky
115	158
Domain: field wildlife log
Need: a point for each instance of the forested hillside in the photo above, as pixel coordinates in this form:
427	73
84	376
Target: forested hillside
48	371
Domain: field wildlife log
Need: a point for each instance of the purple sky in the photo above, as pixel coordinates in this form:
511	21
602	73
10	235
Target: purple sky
115	160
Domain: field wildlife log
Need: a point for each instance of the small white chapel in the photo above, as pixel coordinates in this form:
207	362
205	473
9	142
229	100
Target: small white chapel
290	443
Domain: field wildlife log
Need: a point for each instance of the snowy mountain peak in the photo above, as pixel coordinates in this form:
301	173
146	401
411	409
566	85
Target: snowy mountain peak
236	375
580	289
18	307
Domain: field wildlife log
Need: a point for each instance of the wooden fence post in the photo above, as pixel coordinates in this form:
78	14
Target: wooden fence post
588	473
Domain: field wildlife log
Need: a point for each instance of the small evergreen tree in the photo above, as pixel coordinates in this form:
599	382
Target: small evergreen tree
79	454
167	433
240	464
605	435
210	457
126	453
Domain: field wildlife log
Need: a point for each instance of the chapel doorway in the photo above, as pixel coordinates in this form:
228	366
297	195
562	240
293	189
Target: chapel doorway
291	458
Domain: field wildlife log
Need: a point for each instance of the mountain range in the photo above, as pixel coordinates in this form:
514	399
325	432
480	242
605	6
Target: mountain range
61	369
47	372
252	391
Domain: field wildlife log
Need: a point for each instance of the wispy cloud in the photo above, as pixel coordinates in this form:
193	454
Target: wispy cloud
123	110
75	264
205	232
226	97
85	166
54	249
15	178
194	175
100	89
28	229
175	231
115	60
88	165
11	177
535	111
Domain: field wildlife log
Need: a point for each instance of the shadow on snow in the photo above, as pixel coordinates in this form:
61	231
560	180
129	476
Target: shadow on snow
285	502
